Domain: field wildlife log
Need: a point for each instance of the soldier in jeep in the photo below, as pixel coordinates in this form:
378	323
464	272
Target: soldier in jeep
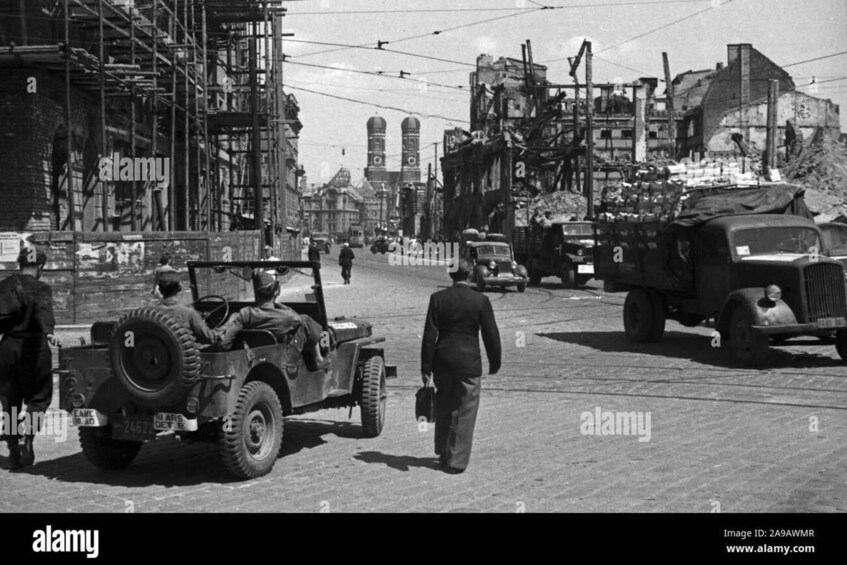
276	318
170	287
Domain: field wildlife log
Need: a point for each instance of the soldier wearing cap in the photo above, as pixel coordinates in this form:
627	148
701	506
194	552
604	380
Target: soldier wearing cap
26	362
277	318
169	287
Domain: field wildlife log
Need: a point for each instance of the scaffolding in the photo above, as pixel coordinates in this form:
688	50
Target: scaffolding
196	82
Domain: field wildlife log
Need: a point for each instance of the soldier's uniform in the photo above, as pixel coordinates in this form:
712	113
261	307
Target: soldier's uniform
189	317
25	359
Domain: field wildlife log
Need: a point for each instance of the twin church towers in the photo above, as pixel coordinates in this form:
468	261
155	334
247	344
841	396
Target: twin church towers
410	170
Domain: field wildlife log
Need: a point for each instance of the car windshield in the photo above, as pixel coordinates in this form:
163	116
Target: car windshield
235	283
768	241
500	250
577	230
835	238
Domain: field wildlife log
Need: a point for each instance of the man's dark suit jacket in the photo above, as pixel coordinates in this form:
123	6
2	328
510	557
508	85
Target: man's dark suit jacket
451	335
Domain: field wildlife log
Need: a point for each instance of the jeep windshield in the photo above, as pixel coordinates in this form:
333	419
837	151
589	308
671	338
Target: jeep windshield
235	283
500	250
776	240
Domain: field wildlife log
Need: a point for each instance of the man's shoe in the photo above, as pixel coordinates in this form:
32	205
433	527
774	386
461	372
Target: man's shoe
14	457
27	452
453	470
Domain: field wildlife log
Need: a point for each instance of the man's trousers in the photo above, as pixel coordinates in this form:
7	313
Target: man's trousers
26	366
456	402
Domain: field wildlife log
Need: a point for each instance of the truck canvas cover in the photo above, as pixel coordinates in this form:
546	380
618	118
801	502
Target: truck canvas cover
773	199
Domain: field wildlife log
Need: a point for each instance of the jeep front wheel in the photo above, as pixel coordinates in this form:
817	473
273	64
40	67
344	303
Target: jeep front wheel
748	346
104	452
374	396
252	436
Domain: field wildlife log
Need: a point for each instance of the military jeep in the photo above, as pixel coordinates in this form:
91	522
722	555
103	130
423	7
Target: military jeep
145	375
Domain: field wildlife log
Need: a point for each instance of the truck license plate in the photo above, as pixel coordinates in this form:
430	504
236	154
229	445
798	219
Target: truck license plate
830	322
585	269
166	421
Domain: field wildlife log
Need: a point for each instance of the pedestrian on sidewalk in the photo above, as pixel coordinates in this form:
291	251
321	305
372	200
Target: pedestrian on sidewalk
450	350
26	362
314	253
345	259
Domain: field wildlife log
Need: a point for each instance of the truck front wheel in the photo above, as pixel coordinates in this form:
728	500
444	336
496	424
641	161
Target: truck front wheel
568	276
841	344
747	346
639	317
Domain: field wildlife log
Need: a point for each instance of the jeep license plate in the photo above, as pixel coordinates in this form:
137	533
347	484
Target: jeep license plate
585	269
166	421
133	428
87	417
830	322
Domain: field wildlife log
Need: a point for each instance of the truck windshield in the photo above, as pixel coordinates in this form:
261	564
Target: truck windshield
767	241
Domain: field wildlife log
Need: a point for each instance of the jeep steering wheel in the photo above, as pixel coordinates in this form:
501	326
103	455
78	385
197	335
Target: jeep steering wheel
213	318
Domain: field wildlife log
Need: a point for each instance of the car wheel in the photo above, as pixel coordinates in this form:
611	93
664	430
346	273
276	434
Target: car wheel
747	346
841	344
154	357
104	452
568	276
374	396
252	437
521	287
638	312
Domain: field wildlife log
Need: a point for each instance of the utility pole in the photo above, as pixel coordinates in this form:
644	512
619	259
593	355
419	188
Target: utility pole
589	123
671	118
773	101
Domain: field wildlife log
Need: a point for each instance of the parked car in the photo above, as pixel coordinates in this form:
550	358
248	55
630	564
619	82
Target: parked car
145	375
381	245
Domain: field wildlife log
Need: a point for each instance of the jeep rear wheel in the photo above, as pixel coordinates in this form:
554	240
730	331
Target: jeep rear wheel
154	357
252	436
374	396
639	317
747	346
104	452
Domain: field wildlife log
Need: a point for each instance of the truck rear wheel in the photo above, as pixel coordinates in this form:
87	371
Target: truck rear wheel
534	277
841	344
374	396
747	346
638	316
252	437
104	452
657	302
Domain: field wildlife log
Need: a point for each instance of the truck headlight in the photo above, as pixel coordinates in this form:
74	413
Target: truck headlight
773	293
579	252
514	265
492	265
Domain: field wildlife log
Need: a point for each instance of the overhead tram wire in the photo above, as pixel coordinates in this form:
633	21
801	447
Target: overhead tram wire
372	48
459	10
374	73
437	32
421	114
815	59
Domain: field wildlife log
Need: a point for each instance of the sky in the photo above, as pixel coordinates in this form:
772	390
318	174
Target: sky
437	43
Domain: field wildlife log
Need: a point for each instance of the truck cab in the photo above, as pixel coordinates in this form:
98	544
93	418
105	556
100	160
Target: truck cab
762	278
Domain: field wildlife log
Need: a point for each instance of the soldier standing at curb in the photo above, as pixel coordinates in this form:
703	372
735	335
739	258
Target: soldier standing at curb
450	350
26	363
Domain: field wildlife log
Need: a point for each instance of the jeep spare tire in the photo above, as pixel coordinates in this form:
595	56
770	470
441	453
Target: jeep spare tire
154	357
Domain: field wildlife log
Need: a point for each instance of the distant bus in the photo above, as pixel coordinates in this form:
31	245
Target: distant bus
356	236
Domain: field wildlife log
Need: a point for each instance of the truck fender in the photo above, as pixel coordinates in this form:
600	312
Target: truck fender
763	311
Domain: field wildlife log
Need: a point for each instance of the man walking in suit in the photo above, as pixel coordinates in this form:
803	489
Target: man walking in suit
345	259
450	350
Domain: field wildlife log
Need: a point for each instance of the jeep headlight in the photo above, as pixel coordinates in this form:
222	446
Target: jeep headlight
514	265
773	293
579	252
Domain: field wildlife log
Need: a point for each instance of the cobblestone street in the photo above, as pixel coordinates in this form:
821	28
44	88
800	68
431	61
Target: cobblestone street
721	437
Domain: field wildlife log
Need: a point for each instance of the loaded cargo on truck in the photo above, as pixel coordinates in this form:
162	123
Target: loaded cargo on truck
749	259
